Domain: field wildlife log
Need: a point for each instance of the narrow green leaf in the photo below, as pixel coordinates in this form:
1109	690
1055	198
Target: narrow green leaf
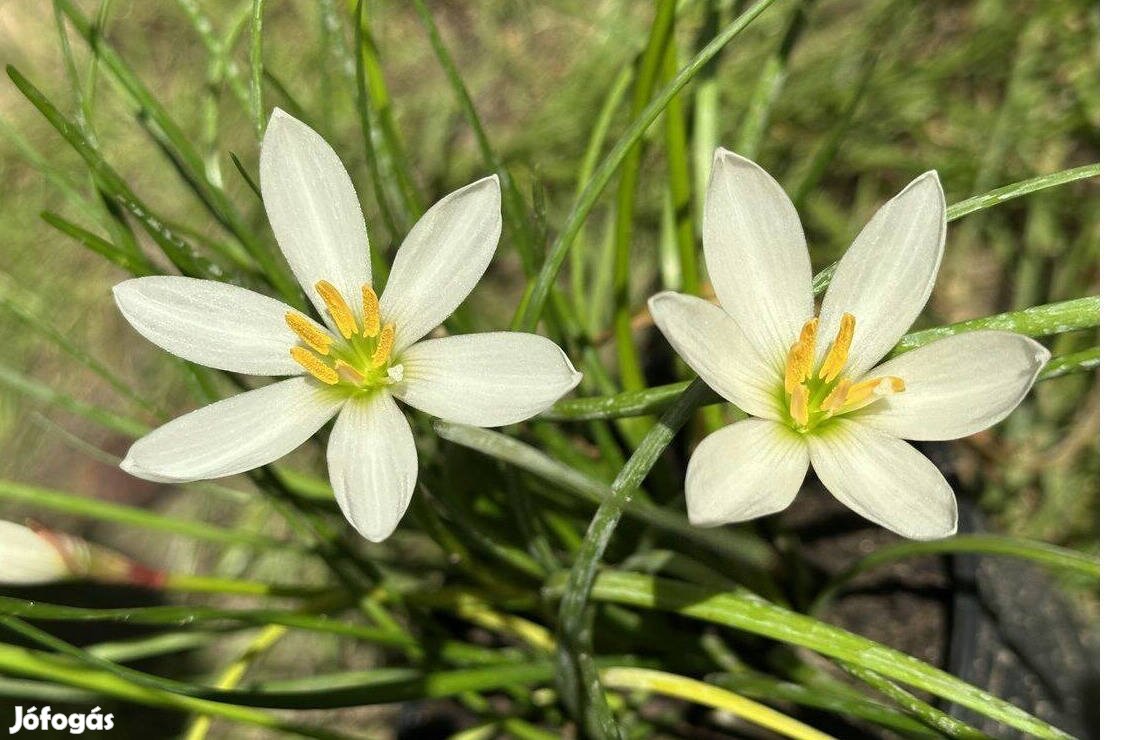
1042	553
731	543
256	65
749	613
577	676
93	508
532	305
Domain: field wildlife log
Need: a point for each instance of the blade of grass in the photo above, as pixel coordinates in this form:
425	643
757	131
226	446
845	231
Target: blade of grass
515	210
987	200
256	66
691	690
161	126
180	253
1041	553
576	674
536	294
129	516
731	543
774	689
23	662
925	713
752	614
646	79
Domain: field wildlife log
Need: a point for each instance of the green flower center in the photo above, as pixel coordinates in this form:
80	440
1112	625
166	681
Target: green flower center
813	397
361	360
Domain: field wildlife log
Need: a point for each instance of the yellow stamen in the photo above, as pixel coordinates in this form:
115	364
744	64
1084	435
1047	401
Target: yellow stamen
801	356
311	334
338	308
837	355
370	311
385	345
313	365
349	372
798	406
868	391
837	397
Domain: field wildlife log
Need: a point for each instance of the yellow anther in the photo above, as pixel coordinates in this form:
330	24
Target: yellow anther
349	372
314	365
338	308
370	311
801	357
866	392
807	342
837	397
385	345
798	405
307	331
837	355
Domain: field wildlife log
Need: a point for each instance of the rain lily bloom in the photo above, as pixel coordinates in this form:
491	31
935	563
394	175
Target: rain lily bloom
812	384
363	352
28	557
35	555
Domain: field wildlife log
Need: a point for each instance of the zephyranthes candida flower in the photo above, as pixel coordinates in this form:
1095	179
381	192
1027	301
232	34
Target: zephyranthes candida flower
812	384
34	555
366	351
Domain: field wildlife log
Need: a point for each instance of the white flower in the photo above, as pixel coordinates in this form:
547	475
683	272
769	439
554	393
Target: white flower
812	384
366	352
28	557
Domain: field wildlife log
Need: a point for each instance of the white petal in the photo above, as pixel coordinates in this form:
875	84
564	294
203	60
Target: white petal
441	260
884	479
27	559
746	470
755	253
956	386
486	380
885	277
234	435
210	323
372	464
715	348
314	210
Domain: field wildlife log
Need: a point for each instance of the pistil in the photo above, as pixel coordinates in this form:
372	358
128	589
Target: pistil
813	397
361	359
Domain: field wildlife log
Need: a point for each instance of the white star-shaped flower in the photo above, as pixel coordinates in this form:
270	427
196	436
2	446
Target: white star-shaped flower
366	351
811	384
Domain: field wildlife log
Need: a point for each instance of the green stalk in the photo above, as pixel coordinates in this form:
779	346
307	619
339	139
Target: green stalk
577	677
256	65
688	689
173	616
590	158
681	194
1037	321
925	713
650	64
371	136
